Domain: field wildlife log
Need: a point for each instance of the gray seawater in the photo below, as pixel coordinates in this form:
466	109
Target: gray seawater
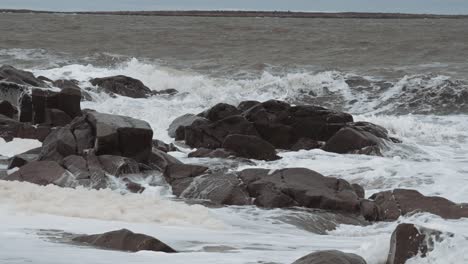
410	76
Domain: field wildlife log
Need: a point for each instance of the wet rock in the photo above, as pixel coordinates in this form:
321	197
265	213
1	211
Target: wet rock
160	160
56	118
250	147
211	153
180	171
122	85
225	189
67	100
134	187
7	109
19	97
23	158
121	136
330	257
306	144
279	135
357	81
180	123
359	138
158	144
43	173
245	105
124	240
72	84
78	166
299	187
10	129
98	178
220	111
212	135
58	145
406	242
165	92
11	74
393	204
83	133
118	166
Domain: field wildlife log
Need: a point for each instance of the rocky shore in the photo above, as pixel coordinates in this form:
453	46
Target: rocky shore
82	147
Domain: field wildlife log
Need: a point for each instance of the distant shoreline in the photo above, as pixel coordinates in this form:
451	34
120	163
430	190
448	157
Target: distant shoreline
279	14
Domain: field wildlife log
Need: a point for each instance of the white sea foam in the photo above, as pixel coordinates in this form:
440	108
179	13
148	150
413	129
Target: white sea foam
17	146
102	204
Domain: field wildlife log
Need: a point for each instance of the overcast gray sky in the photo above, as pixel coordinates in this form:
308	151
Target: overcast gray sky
403	6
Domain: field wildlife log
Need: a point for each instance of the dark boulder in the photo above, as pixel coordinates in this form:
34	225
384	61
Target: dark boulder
58	145
330	257
7	109
250	147
121	136
245	105
279	135
11	74
56	118
118	166
160	160
306	144
158	144
133	186
406	242
399	202
84	134
223	189
67	100
165	92
122	85
124	240
359	138
213	135
220	111
299	187
43	173
72	84
78	166
180	176
10	129
180	123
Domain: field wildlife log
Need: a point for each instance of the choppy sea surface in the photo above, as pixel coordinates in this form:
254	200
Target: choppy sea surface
409	76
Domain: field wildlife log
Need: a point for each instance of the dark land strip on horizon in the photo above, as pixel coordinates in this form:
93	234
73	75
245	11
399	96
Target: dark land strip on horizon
280	14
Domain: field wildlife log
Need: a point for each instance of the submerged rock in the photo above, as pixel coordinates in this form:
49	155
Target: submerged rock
124	240
122	85
330	257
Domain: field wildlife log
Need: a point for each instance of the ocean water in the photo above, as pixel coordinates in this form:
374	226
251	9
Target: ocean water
411	79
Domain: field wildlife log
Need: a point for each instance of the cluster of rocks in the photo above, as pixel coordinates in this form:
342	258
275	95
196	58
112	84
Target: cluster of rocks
83	147
255	130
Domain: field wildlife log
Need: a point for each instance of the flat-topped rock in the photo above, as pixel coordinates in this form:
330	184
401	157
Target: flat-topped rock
121	136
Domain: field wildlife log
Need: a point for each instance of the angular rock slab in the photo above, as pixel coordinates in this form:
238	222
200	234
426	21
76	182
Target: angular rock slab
43	173
125	240
121	136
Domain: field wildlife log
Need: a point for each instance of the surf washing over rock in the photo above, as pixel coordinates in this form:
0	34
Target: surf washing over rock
109	154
